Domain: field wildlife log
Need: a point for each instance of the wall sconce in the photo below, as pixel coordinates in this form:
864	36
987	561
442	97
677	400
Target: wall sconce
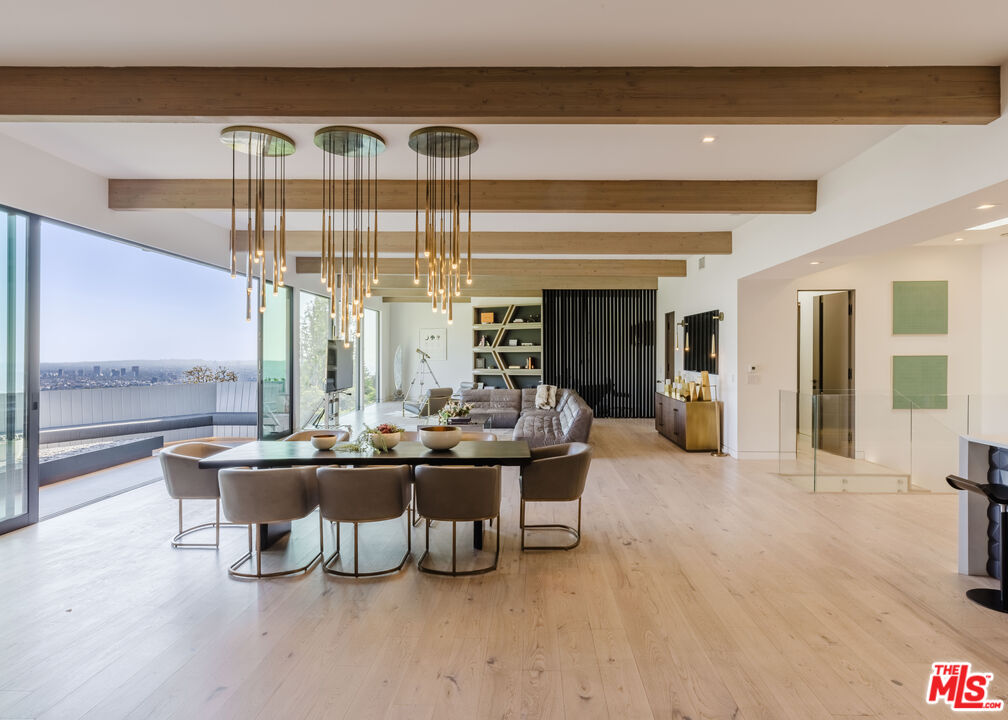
686	331
679	324
718	317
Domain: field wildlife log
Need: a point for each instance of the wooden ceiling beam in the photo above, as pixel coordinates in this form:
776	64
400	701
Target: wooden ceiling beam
529	268
573	196
519	285
684	95
543	243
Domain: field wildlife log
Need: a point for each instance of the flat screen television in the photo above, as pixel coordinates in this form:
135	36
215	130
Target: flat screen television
339	366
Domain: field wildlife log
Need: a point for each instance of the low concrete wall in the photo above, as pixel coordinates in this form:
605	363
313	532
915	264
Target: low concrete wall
68	467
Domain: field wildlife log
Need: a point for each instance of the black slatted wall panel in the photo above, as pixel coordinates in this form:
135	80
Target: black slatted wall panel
601	343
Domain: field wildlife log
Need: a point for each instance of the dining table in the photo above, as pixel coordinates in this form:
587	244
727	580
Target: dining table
282	453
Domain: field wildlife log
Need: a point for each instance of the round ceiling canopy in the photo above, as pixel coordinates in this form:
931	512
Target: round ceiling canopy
254	140
443	141
349	141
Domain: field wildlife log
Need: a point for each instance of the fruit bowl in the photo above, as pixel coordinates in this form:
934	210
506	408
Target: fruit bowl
440	437
384	441
324	442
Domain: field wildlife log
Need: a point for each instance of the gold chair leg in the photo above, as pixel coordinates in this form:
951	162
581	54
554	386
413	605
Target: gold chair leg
574	532
257	553
327	564
176	542
455	572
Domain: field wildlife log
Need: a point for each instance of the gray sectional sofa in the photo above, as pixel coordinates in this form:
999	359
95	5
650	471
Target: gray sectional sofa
569	421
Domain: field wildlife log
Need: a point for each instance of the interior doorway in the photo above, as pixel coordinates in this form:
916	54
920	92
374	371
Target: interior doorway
826	370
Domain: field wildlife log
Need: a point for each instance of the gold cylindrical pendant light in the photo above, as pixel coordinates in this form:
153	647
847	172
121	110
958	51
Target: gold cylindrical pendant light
446	197
266	152
349	253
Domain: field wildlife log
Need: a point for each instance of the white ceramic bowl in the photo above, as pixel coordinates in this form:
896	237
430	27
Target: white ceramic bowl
385	441
440	437
324	442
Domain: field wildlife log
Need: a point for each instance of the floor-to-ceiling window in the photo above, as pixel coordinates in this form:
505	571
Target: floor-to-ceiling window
275	353
18	351
369	354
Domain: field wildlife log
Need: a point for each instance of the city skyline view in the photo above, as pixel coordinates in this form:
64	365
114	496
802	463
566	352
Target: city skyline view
155	309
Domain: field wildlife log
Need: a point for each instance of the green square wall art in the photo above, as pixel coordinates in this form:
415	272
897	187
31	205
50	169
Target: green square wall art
920	381
920	307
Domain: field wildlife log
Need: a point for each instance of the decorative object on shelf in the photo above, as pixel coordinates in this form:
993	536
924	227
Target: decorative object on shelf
384	437
454	409
349	252
514	367
513	342
444	148
529	364
483	341
487	318
434	342
440	437
480	363
263	148
528	344
517	320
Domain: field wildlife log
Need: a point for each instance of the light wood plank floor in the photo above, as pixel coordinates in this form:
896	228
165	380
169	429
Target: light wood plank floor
704	588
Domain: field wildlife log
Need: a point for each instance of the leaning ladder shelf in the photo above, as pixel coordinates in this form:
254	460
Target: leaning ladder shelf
518	322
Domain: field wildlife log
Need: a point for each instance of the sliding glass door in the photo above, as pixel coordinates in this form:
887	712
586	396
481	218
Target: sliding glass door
19	372
275	364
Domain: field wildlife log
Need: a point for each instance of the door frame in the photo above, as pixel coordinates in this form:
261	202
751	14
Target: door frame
31	373
851	318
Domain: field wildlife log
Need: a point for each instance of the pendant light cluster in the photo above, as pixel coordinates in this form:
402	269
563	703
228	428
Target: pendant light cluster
349	221
349	245
264	204
446	198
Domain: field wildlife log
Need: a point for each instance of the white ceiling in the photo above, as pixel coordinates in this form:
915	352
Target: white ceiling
519	32
600	152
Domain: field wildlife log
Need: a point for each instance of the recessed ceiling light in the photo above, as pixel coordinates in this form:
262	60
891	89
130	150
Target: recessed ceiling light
708	139
991	224
985	206
958	240
815	262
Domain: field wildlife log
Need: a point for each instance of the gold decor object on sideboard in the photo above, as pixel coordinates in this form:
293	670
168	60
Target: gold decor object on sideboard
266	152
446	198
349	221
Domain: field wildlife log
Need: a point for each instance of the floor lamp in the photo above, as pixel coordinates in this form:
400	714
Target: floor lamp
717	422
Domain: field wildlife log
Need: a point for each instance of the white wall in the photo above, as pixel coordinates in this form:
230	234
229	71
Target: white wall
406	319
911	187
992	416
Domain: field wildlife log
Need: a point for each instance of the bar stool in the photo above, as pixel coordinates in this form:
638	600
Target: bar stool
184	480
363	495
253	497
557	473
457	494
998	495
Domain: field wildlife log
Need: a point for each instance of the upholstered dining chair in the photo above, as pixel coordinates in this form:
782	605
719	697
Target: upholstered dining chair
253	497
306	435
478	436
457	494
363	495
557	473
185	480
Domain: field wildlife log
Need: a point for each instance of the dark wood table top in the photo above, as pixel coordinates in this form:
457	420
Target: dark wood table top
280	453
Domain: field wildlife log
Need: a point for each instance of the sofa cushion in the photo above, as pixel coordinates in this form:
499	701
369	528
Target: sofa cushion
539	430
499	417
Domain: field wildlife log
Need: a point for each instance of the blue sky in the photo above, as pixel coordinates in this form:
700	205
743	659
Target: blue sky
106	300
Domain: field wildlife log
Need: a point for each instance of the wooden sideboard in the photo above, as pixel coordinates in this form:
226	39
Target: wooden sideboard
692	426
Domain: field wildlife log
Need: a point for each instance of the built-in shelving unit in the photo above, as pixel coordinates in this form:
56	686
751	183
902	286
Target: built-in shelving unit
516	323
